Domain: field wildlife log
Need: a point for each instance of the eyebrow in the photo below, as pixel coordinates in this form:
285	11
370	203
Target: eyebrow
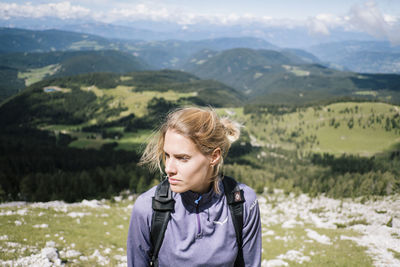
178	155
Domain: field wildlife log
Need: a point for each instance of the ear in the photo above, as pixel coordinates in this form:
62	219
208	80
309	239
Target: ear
215	156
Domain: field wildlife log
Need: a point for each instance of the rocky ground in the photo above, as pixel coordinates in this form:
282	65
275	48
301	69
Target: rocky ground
299	223
377	224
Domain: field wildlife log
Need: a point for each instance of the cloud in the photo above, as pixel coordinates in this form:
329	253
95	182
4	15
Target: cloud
323	23
125	11
368	18
139	12
62	10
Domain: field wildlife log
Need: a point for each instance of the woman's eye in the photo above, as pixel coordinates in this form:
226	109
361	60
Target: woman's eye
184	158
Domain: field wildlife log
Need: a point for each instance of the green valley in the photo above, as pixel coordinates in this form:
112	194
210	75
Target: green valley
85	116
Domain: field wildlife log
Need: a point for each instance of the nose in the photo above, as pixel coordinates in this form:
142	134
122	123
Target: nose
170	168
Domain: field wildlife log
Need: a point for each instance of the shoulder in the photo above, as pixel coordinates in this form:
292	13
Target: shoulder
251	210
250	196
143	204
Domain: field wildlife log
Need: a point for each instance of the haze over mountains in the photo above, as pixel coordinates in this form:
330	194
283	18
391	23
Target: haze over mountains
83	85
254	67
362	38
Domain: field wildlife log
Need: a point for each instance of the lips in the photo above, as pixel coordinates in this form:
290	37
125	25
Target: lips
173	181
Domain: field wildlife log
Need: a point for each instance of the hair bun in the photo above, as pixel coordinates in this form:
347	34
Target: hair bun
232	129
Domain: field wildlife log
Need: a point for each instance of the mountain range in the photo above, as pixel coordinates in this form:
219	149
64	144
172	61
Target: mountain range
21	69
272	77
82	99
255	68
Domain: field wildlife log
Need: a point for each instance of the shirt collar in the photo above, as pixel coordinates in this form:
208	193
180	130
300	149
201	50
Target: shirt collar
189	197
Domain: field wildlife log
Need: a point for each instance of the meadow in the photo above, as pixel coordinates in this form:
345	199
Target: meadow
34	75
275	151
363	129
134	102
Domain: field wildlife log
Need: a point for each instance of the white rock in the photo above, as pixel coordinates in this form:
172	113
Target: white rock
72	253
50	253
323	239
22	212
294	255
94	204
83	258
120	258
274	263
41	225
12	204
50	244
78	214
292	224
100	259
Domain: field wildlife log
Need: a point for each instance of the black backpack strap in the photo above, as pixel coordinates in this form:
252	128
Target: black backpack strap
163	205
235	198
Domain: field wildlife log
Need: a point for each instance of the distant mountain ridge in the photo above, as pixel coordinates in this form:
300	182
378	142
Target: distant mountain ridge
360	56
273	77
256	68
20	40
102	60
20	69
100	96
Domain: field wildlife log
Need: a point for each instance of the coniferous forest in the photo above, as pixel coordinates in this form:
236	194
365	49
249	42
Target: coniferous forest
73	125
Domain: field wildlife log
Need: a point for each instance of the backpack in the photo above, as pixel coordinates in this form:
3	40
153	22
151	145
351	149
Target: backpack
163	205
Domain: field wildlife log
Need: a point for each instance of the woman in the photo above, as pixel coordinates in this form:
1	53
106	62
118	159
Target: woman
191	145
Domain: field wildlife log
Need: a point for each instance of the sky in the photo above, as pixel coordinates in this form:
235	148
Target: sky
162	9
380	18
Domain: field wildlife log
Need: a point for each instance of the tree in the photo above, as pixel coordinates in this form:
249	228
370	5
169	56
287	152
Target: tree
350	123
141	185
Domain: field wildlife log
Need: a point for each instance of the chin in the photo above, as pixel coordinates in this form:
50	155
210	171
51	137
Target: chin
177	189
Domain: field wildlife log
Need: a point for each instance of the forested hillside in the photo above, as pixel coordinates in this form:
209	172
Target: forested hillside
283	78
21	40
360	56
85	116
313	86
24	69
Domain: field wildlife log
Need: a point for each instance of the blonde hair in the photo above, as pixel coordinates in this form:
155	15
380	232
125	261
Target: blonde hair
201	125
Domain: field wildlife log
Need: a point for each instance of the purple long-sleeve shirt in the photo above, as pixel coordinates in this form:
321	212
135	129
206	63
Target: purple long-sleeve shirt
197	234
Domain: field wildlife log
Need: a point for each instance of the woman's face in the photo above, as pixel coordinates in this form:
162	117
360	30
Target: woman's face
187	168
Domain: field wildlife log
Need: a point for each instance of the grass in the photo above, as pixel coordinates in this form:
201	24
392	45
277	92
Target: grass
85	44
129	141
89	143
136	102
105	229
395	253
363	142
307	130
35	75
133	141
296	70
339	253
359	221
327	130
102	229
370	93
